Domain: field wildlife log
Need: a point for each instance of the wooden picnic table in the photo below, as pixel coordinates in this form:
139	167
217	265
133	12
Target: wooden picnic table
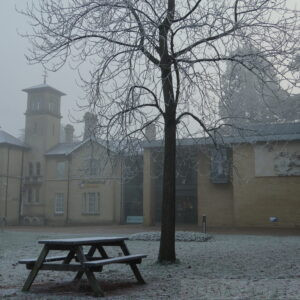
83	263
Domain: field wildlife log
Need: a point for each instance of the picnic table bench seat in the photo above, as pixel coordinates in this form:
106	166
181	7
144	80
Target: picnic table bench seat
135	258
30	261
92	261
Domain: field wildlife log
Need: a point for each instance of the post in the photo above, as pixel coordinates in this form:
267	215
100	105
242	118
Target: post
6	188
204	224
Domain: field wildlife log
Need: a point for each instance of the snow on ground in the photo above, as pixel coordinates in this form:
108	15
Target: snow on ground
181	236
225	267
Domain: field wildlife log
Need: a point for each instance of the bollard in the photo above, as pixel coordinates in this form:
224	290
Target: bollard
204	224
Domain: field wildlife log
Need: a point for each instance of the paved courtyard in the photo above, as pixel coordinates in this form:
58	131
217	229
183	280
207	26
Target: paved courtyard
234	264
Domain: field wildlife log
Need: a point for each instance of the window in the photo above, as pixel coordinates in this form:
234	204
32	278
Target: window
59	203
35	128
29	195
92	168
60	169
37	195
33	195
90	203
220	165
30	169
38	168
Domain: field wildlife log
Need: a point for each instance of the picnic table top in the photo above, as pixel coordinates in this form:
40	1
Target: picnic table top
82	241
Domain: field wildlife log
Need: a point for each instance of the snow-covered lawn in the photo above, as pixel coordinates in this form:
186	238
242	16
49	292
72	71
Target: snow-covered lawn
224	267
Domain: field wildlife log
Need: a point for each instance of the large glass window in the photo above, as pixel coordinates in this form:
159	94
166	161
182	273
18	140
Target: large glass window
91	202
59	203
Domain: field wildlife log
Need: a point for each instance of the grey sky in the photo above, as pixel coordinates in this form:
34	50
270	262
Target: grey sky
16	74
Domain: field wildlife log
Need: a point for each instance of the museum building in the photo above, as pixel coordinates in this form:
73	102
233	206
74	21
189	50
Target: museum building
251	179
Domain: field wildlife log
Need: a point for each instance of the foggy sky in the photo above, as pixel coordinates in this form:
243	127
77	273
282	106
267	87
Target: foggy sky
16	74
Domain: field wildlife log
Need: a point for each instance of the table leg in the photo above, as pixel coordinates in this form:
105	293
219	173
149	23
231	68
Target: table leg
69	257
89	274
35	269
133	266
80	273
102	251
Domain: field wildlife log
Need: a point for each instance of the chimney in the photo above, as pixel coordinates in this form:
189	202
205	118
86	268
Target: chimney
150	132
90	124
69	131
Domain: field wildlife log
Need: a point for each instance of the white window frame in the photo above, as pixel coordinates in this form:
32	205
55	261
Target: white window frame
91	203
59	202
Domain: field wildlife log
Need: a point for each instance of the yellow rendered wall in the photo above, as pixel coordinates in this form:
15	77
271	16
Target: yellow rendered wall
10	183
214	200
256	199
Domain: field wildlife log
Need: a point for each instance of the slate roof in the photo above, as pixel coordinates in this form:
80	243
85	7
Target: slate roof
8	139
249	134
43	87
68	148
63	148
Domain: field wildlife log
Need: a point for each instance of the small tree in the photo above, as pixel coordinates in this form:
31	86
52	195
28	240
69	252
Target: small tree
160	61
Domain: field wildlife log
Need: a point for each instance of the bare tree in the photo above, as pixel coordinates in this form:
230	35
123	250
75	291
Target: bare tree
161	61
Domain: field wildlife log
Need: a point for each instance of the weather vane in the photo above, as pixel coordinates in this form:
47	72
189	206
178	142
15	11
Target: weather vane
45	75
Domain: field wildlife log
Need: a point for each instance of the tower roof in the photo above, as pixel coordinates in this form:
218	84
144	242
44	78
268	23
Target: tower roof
42	87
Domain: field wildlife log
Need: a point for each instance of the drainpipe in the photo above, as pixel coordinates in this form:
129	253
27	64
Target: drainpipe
122	212
6	189
68	190
21	188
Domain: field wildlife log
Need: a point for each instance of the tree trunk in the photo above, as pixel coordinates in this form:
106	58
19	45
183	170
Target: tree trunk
167	241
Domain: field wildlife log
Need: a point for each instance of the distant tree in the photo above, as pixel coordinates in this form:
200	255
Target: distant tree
160	61
253	94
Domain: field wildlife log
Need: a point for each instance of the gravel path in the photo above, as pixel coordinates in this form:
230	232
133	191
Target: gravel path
224	267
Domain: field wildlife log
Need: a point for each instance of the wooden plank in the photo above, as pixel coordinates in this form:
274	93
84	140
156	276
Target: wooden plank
83	241
121	259
102	251
69	257
137	273
133	266
65	267
88	256
89	274
47	259
35	269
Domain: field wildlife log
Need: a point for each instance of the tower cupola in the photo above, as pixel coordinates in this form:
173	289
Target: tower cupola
42	128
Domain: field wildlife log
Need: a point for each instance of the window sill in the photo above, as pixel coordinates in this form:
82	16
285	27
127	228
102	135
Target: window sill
33	203
90	214
59	214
